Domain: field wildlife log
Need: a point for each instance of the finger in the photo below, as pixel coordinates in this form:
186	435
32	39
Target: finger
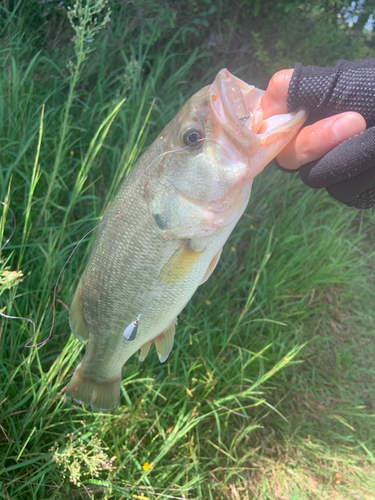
274	99
318	139
349	166
349	190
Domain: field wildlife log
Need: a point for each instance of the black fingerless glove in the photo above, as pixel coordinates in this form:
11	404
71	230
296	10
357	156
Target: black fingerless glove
348	171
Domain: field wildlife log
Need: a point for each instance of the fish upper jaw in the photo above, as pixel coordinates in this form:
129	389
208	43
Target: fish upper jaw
236	112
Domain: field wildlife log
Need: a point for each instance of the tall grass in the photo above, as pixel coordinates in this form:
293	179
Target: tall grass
269	390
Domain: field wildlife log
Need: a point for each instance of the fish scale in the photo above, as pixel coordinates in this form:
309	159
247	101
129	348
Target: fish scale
107	289
165	229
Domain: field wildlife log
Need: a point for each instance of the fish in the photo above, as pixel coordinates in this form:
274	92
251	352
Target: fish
163	234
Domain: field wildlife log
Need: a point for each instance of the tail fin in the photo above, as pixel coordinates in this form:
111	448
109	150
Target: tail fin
100	395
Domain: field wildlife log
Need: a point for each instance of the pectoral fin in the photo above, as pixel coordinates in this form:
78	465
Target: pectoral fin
77	321
178	266
211	266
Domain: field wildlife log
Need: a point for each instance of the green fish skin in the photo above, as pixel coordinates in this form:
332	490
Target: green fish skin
165	230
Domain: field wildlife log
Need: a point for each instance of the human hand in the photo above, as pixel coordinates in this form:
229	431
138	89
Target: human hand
315	140
328	159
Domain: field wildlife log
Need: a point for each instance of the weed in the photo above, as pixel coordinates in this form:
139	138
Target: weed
83	18
81	457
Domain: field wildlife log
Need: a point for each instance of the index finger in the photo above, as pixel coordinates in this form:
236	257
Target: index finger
273	101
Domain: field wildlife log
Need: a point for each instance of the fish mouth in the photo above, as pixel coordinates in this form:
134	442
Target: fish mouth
236	108
238	121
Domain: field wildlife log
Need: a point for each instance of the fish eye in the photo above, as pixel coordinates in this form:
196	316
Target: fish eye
192	137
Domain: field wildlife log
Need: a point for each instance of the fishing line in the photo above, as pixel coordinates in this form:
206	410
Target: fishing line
135	323
1	249
130	331
13	225
240	125
38	344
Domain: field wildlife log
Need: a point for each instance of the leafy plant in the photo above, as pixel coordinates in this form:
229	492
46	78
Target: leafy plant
84	19
81	457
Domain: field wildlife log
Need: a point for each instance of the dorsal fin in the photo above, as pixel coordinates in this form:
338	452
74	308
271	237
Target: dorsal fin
77	321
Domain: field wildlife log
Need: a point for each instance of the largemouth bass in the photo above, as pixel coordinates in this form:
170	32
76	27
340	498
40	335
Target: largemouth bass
165	230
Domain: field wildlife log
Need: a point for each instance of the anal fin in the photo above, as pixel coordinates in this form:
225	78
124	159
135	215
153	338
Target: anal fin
163	343
77	321
145	350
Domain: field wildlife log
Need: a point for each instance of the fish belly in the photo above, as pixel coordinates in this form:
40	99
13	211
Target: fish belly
134	271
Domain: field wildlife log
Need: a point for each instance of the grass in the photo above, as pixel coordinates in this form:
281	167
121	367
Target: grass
268	393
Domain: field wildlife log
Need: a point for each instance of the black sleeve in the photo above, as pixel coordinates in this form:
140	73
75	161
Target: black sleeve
349	86
348	171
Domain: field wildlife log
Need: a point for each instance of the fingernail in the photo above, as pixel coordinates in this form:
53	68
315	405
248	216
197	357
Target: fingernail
349	125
